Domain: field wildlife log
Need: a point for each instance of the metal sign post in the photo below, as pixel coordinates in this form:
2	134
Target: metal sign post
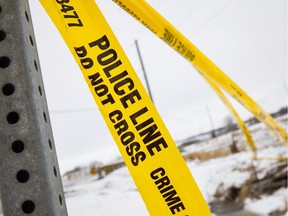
30	182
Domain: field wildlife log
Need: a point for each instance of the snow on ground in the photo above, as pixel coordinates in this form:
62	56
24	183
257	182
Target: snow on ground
220	174
264	205
116	193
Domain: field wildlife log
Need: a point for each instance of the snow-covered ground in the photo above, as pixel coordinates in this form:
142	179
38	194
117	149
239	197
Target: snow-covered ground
116	193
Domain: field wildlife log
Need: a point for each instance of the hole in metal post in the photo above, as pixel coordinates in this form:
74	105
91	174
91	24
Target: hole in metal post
2	35
8	89
18	146
36	66
55	171
31	40
40	90
26	15
13	117
50	144
22	176
28	206
60	199
4	62
45	117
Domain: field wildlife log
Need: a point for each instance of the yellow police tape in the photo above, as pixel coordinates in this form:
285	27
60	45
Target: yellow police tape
150	18
153	159
241	124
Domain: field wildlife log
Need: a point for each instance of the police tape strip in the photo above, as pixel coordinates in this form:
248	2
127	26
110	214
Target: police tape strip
150	18
152	157
241	124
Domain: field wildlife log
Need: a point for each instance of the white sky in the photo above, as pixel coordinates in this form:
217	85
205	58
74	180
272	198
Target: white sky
247	39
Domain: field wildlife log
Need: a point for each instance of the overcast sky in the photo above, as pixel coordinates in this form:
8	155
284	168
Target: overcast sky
247	39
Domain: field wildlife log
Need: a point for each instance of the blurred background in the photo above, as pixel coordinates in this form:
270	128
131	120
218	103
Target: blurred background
246	39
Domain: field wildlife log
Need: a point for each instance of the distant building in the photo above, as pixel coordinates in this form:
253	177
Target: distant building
77	173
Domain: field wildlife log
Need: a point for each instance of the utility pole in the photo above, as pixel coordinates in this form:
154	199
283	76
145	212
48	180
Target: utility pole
285	87
143	68
211	121
30	181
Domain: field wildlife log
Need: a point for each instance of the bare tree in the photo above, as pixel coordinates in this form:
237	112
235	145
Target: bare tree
231	126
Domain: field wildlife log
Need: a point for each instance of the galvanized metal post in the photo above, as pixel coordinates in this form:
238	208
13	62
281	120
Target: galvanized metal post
30	181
